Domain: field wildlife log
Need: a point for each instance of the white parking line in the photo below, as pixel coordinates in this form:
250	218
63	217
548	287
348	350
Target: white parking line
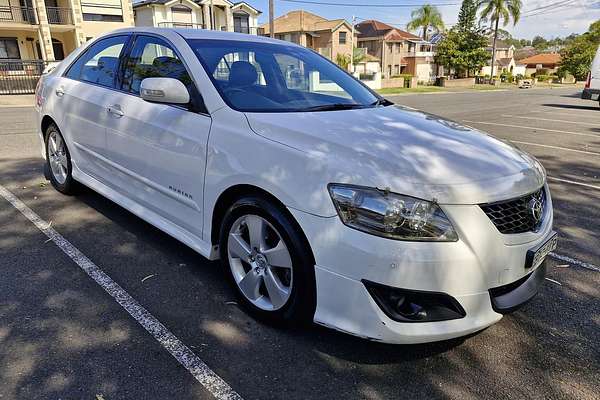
550	120
186	357
556	147
533	128
573	182
575	262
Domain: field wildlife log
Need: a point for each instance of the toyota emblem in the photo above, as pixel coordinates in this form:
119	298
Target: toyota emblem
536	208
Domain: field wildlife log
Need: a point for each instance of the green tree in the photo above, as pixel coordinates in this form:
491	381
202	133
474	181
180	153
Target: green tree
425	17
496	10
577	57
463	51
539	43
343	60
467	16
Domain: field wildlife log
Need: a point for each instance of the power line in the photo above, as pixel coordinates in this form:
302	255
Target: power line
326	3
558	8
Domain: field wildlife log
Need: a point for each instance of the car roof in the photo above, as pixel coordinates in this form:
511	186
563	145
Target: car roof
205	34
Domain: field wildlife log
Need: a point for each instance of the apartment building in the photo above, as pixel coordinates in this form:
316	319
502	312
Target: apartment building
399	52
49	30
328	37
220	15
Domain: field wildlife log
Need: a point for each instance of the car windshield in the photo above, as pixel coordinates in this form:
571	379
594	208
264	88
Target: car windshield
267	77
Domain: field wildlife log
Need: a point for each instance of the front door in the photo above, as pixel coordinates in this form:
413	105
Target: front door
158	150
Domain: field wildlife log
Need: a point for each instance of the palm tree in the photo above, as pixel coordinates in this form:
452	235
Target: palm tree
494	10
426	17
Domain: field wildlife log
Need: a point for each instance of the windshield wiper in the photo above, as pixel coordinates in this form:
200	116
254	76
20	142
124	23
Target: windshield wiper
333	107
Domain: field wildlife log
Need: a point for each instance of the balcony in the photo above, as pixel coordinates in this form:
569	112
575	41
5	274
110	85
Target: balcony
59	15
420	54
186	25
21	15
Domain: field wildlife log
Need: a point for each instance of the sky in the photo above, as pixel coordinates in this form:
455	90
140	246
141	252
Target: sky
557	18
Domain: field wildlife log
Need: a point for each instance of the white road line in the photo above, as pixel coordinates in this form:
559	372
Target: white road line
573	182
575	262
533	128
550	120
186	357
556	147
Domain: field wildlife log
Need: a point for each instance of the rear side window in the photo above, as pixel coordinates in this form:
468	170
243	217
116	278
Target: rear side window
152	57
100	63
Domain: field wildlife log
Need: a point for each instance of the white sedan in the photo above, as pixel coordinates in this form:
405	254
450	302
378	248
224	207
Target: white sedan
323	201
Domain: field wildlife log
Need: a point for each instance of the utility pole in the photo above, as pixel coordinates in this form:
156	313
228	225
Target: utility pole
352	46
271	19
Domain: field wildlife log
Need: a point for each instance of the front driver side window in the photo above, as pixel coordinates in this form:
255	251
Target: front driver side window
100	63
152	57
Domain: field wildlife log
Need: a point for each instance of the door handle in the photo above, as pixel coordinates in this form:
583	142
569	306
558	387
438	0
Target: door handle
115	110
60	92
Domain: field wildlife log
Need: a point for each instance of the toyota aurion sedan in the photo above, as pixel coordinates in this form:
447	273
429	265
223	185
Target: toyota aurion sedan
323	201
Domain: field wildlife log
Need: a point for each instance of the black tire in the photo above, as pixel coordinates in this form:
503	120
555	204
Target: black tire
69	186
300	307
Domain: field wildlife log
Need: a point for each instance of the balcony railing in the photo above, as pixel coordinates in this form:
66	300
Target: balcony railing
172	24
251	30
59	15
24	15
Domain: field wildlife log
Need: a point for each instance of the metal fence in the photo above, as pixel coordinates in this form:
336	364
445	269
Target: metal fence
59	15
20	77
18	14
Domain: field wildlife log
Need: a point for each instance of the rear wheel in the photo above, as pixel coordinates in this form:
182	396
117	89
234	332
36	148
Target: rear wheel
58	161
268	262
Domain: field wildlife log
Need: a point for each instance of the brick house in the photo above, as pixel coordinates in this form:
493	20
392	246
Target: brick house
399	52
328	37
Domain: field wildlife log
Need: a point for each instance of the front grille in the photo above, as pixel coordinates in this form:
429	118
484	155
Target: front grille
517	215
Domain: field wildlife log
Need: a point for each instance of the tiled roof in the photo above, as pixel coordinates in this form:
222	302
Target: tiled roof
373	28
545	58
300	20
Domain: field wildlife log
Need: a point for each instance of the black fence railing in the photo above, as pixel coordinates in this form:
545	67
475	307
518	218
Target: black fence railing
173	24
25	15
59	15
20	77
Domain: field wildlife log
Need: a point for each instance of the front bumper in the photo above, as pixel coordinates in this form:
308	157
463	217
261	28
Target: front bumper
590	94
466	270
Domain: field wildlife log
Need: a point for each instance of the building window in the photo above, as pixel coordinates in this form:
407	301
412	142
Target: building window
398	47
342	37
396	69
9	49
241	22
102	10
102	17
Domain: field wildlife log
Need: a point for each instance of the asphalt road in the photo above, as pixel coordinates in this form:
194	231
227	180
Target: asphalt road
63	337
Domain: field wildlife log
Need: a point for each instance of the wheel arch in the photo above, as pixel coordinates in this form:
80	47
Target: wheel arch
45	123
236	192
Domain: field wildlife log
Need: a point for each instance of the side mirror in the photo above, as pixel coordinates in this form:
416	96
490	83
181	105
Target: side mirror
164	90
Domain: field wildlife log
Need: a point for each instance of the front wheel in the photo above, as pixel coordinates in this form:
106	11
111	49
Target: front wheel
268	262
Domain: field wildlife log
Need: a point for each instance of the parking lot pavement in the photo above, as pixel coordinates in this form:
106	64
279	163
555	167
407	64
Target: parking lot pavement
62	336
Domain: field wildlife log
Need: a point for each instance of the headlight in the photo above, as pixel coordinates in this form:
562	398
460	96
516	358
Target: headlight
391	215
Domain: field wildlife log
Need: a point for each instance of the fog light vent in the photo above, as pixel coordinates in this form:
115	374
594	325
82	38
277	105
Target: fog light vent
404	305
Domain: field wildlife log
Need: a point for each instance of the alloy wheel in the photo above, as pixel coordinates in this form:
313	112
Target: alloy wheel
57	157
260	262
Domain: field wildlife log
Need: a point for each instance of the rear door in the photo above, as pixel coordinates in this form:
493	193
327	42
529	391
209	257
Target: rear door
158	151
81	99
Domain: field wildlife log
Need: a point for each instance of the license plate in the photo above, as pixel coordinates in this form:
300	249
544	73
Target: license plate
536	255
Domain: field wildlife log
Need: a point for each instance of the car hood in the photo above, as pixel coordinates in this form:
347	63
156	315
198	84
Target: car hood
407	151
